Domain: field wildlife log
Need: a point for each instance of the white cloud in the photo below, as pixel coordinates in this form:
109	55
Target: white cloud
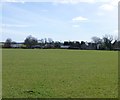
19	1
65	1
100	13
58	1
44	10
79	19
114	2
73	1
115	32
15	25
75	26
109	6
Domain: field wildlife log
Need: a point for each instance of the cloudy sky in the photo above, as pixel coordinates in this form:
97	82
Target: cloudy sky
58	19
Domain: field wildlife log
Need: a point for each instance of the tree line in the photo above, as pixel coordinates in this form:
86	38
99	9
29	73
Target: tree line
105	43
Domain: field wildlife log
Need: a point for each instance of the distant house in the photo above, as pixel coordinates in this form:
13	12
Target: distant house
16	45
83	46
98	46
36	46
64	47
1	44
91	46
48	46
116	45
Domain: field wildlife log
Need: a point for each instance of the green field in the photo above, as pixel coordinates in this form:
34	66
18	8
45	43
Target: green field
54	73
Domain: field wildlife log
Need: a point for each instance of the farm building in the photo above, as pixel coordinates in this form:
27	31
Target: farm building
16	45
64	47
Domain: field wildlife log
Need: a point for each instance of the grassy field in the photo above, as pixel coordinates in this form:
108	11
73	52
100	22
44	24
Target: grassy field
59	73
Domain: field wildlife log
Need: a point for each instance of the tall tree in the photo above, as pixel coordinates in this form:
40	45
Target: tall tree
8	43
30	41
66	43
107	40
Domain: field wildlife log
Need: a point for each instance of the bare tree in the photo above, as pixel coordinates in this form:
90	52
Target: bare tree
107	40
50	40
45	40
96	40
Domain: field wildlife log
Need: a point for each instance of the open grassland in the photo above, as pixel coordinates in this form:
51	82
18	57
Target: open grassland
43	73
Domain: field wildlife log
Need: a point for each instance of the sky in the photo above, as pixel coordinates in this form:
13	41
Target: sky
61	20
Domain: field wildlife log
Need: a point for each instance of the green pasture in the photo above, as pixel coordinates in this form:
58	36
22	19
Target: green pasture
59	73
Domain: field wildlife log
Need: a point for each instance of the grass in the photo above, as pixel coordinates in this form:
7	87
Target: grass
43	73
